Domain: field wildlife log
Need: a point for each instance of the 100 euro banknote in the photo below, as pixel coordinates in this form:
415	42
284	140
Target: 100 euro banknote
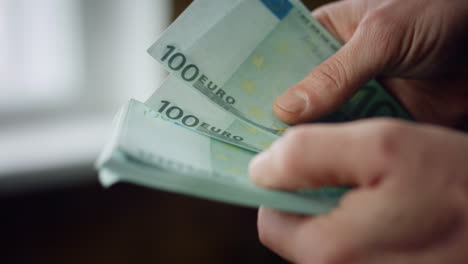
242	54
147	149
179	103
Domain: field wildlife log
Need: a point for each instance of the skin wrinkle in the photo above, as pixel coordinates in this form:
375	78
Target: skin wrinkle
370	28
413	29
404	50
420	50
337	80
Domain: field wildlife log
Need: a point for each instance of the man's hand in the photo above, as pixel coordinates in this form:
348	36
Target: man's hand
417	48
410	204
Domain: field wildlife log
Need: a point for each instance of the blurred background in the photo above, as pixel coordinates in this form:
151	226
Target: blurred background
65	68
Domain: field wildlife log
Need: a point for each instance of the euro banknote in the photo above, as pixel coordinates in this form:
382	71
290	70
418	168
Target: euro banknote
177	102
242	54
153	151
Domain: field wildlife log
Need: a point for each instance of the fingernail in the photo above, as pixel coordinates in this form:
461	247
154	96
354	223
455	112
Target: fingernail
293	101
257	165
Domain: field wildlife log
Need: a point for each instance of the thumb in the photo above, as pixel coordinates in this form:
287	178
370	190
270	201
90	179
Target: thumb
335	80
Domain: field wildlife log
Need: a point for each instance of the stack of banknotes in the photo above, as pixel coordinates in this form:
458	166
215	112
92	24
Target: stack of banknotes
228	60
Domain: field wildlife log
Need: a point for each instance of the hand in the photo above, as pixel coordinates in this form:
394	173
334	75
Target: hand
410	204
417	48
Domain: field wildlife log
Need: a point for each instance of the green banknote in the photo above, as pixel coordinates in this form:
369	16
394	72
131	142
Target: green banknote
229	60
177	102
147	149
242	54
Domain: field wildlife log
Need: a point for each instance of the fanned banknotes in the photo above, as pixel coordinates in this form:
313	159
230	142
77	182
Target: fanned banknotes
184	105
242	54
147	149
228	60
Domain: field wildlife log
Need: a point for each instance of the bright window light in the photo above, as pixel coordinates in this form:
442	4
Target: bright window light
40	54
65	68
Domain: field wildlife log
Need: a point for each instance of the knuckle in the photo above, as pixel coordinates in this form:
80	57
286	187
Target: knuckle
381	26
379	30
288	159
379	18
386	141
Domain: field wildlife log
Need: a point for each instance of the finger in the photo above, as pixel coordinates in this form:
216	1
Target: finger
274	225
342	236
357	153
336	79
339	18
